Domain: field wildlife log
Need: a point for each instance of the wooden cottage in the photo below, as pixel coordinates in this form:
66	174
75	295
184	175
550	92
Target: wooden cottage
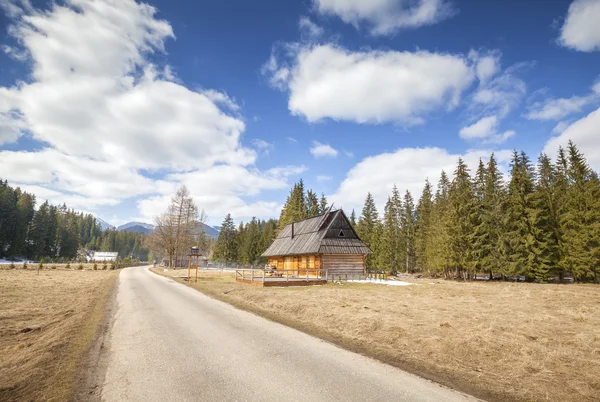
327	243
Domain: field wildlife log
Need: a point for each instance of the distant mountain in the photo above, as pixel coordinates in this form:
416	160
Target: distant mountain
136	227
147	228
211	231
217	228
103	224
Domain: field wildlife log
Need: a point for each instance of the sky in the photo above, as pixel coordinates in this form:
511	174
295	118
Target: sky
110	105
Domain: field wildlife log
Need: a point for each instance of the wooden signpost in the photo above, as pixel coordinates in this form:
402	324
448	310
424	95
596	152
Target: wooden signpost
193	262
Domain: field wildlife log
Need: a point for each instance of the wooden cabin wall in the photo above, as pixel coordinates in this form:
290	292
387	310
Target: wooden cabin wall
342	264
296	263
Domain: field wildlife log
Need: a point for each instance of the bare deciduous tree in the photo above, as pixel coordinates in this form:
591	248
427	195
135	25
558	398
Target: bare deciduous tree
178	228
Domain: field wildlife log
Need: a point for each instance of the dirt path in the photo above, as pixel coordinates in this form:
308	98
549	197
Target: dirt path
172	343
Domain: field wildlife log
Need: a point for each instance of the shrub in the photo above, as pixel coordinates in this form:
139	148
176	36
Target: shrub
80	267
12	265
41	265
95	266
53	267
104	266
68	265
25	265
112	266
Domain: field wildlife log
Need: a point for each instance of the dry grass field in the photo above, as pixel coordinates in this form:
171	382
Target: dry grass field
498	341
47	323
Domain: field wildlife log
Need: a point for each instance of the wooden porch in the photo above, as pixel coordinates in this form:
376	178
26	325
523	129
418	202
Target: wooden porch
280	277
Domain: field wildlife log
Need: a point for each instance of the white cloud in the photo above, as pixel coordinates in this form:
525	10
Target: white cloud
319	150
485	129
407	168
558	108
560	127
487	64
500	94
107	114
263	145
581	30
369	86
321	179
481	129
10	128
384	17
84	176
309	29
584	133
220	190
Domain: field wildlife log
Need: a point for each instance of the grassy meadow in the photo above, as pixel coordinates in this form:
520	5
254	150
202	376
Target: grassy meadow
47	323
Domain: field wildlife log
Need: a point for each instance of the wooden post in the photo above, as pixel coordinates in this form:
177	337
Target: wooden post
326	274
242	275
306	275
252	276
263	276
287	276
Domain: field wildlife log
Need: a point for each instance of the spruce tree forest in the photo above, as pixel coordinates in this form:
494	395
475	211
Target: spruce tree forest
56	233
541	223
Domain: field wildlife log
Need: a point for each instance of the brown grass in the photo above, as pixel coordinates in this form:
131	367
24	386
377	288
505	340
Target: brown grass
47	323
499	341
48	266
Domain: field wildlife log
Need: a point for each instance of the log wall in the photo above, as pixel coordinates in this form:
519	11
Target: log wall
343	264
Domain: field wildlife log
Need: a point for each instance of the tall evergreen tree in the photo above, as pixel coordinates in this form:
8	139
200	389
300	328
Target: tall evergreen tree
547	218
423	228
461	211
312	204
323	204
407	221
581	219
353	218
388	246
225	249
367	228
438	239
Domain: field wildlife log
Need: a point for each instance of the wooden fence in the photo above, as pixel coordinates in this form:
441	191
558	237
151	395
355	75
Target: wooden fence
279	275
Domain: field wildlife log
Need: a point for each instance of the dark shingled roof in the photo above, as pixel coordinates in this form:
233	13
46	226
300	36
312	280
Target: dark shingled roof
318	235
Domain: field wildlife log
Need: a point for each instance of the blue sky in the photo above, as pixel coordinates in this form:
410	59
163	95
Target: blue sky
110	106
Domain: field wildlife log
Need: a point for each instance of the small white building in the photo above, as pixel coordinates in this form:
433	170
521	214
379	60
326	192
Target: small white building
109	256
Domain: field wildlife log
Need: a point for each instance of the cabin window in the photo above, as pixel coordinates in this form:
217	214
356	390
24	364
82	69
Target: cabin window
341	234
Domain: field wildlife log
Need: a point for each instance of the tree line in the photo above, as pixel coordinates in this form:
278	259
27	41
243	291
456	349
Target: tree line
56	232
542	223
243	245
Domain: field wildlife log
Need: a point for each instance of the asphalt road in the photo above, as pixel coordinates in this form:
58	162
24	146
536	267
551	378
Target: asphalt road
169	342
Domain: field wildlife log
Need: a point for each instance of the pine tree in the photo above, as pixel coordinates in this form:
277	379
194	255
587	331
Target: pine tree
295	208
250	243
423	228
388	245
353	219
323	204
580	221
489	229
367	228
438	239
225	249
523	251
547	218
312	204
460	219
407	221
